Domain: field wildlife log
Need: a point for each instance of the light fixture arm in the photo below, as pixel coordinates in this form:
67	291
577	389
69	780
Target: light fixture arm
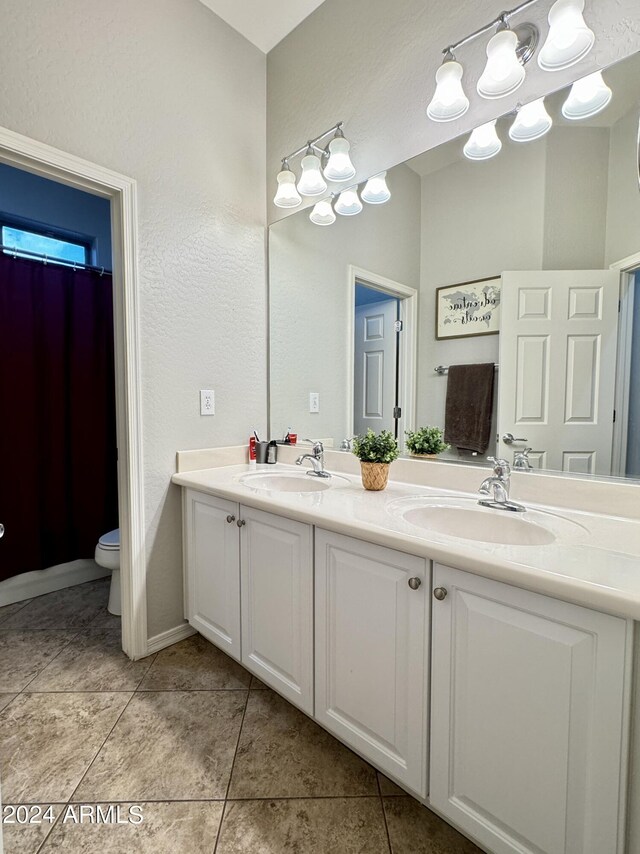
313	143
501	22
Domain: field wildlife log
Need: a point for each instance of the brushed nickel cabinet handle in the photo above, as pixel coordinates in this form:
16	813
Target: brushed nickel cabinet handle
440	593
240	523
231	518
414	583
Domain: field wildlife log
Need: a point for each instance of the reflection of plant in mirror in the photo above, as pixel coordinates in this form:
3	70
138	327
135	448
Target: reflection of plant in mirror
426	440
376	447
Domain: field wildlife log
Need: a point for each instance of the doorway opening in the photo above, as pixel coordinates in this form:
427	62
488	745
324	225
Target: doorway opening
626	428
383	351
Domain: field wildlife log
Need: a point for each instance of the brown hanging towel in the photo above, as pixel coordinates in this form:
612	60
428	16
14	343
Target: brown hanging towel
469	407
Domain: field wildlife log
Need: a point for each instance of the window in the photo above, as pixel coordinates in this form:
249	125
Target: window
56	249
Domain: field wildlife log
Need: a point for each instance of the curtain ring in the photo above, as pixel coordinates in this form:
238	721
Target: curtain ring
101	272
74	266
46	260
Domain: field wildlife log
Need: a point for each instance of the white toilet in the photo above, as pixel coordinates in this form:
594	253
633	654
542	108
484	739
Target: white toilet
108	556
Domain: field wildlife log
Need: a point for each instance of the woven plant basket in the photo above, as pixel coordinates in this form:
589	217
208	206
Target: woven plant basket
424	456
374	475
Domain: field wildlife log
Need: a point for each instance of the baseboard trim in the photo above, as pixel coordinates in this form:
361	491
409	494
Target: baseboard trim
168	638
28	585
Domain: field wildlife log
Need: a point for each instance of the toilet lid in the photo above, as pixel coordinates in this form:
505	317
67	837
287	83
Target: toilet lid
110	540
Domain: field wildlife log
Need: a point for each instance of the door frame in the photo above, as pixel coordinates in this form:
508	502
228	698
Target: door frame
408	353
54	164
627	267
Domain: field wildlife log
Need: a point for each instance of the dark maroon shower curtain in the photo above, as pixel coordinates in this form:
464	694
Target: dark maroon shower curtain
58	459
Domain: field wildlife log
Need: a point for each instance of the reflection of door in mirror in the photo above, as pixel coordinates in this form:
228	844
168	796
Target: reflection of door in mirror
558	367
376	362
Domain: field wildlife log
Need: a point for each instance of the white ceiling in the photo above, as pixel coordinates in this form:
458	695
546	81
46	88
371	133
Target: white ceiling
263	22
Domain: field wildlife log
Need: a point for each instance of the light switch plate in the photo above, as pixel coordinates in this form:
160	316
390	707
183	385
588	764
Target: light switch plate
314	401
207	402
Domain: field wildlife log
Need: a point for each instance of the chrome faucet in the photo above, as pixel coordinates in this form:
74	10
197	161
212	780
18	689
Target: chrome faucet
316	458
521	460
498	484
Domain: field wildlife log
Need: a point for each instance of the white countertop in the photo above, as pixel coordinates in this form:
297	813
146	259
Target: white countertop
595	562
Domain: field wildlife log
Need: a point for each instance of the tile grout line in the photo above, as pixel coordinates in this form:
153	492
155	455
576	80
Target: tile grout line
60	651
384	815
233	763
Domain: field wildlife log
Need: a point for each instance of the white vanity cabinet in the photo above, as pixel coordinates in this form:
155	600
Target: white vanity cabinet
528	718
372	642
212	564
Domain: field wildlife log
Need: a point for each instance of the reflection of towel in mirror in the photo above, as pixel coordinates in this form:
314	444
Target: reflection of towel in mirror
467	423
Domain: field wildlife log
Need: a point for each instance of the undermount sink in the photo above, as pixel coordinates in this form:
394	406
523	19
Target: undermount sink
290	481
464	518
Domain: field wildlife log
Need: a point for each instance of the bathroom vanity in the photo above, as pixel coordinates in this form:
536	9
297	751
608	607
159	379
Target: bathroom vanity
490	679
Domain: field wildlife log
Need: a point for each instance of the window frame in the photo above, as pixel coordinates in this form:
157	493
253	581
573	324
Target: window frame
44	230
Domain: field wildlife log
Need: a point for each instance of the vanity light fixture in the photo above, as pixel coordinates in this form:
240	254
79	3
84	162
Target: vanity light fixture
348	202
532	121
287	196
449	101
311	182
339	166
375	191
588	97
323	213
569	39
484	142
503	73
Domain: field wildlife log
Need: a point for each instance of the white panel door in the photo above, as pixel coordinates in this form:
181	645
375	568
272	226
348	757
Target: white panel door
372	653
528	701
212	570
558	340
375	366
276	560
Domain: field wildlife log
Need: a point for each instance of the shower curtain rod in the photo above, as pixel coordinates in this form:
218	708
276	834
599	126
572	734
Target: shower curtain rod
22	253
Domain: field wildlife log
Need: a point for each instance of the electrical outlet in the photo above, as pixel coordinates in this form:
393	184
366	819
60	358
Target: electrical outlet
314	401
207	402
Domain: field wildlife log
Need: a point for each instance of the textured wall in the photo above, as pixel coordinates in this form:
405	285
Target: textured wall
372	64
623	213
164	92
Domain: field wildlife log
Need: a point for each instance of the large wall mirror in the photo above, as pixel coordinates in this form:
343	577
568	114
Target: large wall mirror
528	261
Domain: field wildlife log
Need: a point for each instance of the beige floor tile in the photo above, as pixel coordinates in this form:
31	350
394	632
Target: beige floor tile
166	828
47	742
5	699
389	788
73	607
195	664
257	685
337	825
8	610
168	745
282	753
22	837
106	620
94	661
413	829
25	653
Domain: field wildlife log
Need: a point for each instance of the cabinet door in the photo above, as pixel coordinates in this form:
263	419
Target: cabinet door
212	569
528	705
277	603
372	653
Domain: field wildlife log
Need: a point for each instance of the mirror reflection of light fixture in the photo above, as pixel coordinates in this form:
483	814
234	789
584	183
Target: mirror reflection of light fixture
569	39
484	142
339	166
348	202
503	73
449	101
322	213
286	196
588	97
311	182
531	122
375	191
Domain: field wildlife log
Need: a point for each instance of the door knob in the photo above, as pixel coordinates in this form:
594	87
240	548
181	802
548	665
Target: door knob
414	583
1	530
509	439
240	523
440	593
231	518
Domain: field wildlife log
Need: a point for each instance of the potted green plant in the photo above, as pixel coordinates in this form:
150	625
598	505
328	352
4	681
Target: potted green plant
376	451
426	442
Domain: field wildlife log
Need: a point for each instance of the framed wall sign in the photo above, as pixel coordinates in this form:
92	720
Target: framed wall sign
468	308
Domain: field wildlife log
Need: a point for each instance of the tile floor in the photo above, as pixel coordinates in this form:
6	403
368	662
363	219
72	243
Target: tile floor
214	760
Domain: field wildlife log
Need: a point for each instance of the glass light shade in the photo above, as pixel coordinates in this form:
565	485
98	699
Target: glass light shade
375	190
531	122
322	213
569	39
348	203
339	166
287	196
483	143
449	101
311	182
503	73
587	97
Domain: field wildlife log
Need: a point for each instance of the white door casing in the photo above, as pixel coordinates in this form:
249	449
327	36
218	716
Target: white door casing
375	366
558	339
372	653
529	718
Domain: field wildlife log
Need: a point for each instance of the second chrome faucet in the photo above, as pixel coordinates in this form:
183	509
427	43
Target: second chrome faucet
498	486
